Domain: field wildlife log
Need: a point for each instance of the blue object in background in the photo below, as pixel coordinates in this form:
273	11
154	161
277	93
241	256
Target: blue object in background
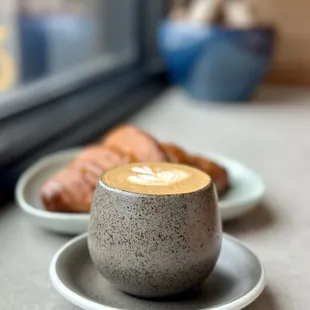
72	41
33	48
214	63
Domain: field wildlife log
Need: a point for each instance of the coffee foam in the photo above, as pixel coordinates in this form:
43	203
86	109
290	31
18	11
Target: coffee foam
148	176
156	178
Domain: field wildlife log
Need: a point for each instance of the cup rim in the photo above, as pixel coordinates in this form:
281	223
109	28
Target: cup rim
129	193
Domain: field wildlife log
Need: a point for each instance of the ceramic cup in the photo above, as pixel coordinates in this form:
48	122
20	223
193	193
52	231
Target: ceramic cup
154	246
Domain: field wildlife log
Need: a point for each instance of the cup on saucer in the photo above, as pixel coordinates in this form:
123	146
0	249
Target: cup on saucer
155	228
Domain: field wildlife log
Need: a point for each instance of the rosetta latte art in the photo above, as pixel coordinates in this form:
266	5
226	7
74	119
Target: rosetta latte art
147	176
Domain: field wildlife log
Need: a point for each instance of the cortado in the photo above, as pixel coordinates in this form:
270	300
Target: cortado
156	178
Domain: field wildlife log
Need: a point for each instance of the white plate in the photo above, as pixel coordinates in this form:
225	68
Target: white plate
237	280
246	191
27	195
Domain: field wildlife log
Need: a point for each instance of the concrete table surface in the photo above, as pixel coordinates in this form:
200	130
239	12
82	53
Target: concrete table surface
270	135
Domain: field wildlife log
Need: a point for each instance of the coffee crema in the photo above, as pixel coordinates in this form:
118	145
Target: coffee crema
156	178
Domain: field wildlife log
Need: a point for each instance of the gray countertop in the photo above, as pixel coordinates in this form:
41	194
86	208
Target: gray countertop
269	135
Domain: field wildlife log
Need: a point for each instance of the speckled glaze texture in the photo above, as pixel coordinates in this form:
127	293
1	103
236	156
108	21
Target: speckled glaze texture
154	246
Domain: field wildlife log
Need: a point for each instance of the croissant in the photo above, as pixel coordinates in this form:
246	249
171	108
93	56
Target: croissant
71	189
217	173
132	140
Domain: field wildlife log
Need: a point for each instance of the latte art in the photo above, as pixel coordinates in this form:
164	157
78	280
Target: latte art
149	177
156	178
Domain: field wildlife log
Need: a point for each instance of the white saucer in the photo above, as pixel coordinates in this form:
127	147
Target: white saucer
246	191
237	280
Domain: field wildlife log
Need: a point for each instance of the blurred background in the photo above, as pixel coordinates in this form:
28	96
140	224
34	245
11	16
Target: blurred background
65	67
71	69
40	40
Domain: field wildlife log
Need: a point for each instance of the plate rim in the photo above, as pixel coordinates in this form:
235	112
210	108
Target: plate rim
227	211
29	173
220	158
86	303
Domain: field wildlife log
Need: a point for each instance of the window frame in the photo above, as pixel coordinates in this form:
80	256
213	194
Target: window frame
50	88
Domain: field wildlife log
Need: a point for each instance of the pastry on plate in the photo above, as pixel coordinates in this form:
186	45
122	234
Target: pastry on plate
132	140
217	173
71	189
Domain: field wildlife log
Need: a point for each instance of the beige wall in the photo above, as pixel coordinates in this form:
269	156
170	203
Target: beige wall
292	59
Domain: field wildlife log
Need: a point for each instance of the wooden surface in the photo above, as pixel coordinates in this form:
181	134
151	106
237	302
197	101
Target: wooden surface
292	58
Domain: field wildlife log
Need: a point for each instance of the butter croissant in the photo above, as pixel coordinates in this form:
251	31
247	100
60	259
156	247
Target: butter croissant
217	173
71	190
132	140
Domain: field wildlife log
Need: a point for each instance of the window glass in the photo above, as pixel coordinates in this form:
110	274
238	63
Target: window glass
41	39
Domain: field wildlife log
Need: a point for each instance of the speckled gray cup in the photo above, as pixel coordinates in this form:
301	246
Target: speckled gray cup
154	246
